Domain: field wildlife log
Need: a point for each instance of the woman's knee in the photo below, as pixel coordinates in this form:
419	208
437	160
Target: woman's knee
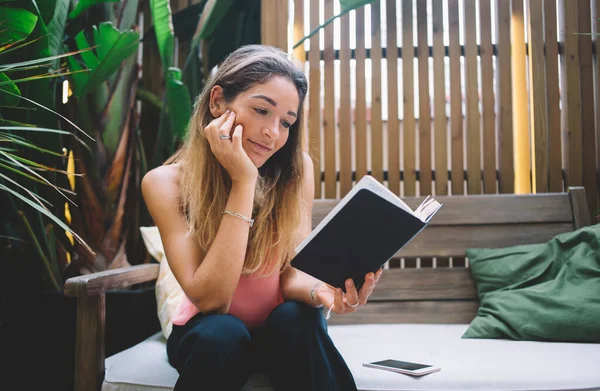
294	316
219	334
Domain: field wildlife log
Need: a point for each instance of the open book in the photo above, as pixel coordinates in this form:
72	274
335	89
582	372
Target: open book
364	230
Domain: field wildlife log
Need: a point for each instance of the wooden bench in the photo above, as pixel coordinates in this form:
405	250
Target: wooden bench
404	296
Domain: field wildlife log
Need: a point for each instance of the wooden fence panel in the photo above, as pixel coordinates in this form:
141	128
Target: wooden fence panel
571	89
393	125
345	108
456	114
408	91
376	109
424	102
588	156
439	92
502	107
537	94
329	123
361	96
521	137
314	76
555	180
504	112
472	101
487	98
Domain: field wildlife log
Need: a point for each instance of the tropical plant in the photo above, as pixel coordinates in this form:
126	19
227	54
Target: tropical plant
97	41
33	179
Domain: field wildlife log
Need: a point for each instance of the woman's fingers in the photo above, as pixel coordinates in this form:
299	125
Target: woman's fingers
371	280
236	137
338	301
225	128
352	298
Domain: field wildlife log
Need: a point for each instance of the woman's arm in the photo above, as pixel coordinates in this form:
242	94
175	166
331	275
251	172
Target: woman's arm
208	279
297	285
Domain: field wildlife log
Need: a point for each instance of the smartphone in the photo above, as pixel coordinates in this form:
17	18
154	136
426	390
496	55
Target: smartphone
407	368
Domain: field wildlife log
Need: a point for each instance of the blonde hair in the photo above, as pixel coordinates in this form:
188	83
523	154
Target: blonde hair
205	184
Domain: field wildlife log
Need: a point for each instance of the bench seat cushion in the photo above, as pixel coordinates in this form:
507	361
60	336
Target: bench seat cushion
466	364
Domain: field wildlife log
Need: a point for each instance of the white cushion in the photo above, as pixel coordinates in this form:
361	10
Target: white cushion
168	291
466	364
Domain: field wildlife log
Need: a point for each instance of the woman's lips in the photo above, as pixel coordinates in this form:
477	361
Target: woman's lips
259	147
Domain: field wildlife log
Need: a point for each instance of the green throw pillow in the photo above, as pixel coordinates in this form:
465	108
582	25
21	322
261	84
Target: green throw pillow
541	292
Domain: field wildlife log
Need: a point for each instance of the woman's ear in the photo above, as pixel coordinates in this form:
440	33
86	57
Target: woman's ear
217	101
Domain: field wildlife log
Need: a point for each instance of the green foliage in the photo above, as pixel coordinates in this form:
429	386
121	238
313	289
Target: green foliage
180	105
29	157
346	6
112	48
16	25
82	5
163	26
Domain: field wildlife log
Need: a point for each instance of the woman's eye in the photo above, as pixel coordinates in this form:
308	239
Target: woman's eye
261	111
286	124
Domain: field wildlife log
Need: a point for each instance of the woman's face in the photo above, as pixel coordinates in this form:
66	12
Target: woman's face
266	112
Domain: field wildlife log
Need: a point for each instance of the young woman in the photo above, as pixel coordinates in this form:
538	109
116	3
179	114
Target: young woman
231	205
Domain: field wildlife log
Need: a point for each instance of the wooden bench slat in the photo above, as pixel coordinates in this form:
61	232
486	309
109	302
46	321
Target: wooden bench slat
440	241
425	284
487	209
436	312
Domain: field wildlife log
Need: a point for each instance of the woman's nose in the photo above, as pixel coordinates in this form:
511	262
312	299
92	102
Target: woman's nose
271	130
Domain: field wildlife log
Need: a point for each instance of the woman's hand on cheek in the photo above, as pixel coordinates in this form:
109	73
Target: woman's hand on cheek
228	150
351	300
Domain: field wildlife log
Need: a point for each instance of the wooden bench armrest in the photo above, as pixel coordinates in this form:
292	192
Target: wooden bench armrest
91	304
96	283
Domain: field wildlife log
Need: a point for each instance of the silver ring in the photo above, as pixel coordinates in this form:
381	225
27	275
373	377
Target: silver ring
224	137
353	305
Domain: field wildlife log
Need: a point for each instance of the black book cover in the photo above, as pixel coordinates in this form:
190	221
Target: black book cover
359	239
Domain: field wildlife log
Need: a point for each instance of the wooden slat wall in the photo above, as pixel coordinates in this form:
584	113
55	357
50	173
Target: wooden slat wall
555	181
439	92
456	112
537	95
487	98
588	157
424	102
376	120
314	99
484	102
408	88
361	96
504	112
329	124
393	124
345	108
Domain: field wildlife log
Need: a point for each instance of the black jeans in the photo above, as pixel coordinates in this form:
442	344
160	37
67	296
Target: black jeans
218	352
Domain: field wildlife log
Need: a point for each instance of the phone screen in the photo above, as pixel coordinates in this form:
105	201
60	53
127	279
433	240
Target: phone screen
410	366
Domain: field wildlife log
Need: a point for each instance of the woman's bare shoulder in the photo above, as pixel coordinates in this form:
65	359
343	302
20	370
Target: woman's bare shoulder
161	183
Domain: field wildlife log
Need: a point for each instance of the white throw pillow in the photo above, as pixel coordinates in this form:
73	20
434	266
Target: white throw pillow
168	291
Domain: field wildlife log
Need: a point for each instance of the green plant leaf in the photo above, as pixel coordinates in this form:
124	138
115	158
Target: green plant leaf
211	16
8	85
112	48
178	102
16	24
82	5
44	130
163	26
56	27
58	114
23	64
346	6
46	213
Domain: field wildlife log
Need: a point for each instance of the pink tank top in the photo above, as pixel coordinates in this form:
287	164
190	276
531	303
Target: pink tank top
254	299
